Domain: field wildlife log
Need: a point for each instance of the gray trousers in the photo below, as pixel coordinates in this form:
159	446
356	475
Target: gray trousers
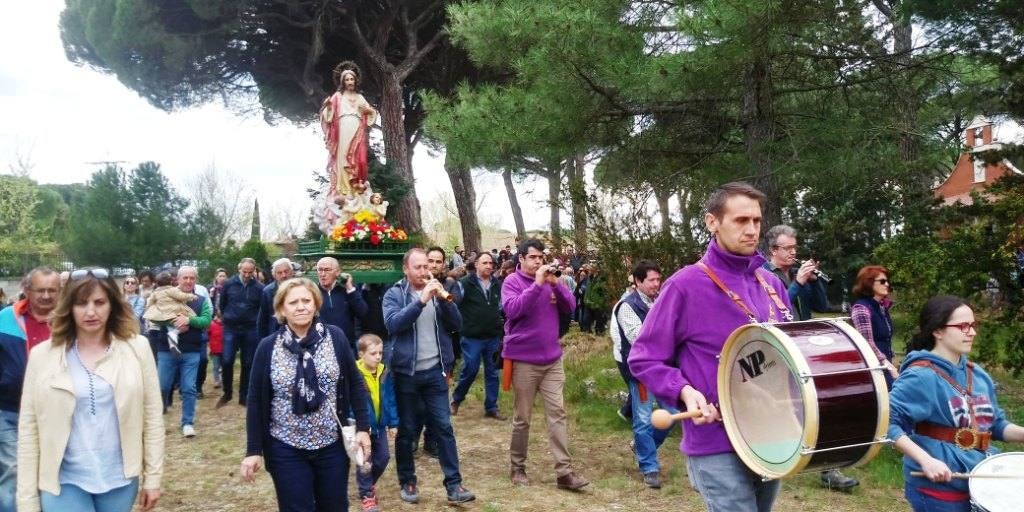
727	485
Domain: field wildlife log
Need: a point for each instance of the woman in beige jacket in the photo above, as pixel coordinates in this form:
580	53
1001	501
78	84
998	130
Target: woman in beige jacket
91	429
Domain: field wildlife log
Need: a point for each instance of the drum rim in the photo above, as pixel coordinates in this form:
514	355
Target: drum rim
808	392
974	500
881	390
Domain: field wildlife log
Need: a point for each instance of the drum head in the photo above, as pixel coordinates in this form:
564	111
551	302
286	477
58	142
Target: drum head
998	494
764	403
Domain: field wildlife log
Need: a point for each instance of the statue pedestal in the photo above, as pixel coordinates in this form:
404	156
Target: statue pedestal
368	263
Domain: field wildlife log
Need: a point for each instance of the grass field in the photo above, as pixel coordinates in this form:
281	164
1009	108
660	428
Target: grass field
202	473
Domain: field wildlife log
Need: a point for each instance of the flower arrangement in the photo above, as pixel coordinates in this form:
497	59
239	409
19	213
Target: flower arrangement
367	226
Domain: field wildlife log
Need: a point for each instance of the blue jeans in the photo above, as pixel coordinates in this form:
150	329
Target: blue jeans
472	350
727	485
647	439
429	388
73	498
924	503
237	339
8	459
308	480
184	366
379	457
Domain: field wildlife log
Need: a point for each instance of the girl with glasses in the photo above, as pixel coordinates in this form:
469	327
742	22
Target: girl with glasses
943	409
870	314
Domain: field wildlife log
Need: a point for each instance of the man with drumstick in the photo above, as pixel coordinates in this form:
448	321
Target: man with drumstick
675	355
806	293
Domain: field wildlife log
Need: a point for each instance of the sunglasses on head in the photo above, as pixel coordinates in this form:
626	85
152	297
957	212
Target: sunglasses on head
98	273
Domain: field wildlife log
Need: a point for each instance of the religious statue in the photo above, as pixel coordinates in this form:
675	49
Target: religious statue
378	205
346	117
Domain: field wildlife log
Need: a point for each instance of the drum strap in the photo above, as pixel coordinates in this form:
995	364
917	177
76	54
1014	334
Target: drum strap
781	306
968	393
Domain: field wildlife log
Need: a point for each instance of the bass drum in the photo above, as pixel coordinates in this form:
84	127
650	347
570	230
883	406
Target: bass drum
802	396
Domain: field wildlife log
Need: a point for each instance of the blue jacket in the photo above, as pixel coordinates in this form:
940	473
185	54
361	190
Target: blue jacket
13	360
341	308
388	404
806	297
401	309
240	304
266	321
921	395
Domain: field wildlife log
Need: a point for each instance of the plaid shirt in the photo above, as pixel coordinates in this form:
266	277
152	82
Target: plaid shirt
860	315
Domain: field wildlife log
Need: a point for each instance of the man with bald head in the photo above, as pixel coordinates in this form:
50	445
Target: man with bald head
343	303
282	270
239	307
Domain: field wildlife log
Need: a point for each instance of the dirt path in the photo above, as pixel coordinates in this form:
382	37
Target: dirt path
201	473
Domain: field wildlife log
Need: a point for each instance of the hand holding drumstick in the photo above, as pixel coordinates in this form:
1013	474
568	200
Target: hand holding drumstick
662	419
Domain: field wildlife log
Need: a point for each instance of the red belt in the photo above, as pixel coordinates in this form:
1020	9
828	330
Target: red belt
964	438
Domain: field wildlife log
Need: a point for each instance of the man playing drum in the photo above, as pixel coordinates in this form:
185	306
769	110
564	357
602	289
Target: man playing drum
675	356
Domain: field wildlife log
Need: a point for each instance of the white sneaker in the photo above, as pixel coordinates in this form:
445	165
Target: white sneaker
188	431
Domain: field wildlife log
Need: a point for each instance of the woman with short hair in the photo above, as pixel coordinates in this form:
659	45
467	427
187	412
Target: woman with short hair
304	381
870	315
91	429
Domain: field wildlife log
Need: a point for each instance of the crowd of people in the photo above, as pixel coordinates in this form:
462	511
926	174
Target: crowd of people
332	372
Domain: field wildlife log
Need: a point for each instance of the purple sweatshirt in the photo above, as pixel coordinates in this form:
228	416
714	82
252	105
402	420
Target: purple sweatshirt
531	319
684	333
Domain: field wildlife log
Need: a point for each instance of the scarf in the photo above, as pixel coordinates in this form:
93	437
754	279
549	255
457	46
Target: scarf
306	393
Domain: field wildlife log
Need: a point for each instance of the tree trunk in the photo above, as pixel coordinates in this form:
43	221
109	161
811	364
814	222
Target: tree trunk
396	149
662	196
465	203
578	199
684	214
759	133
903	45
554	176
513	201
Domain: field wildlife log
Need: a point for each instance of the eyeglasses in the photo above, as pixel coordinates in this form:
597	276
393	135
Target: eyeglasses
786	248
98	273
965	327
882	281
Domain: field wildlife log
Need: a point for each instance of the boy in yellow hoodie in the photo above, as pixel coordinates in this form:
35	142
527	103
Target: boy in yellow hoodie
383	423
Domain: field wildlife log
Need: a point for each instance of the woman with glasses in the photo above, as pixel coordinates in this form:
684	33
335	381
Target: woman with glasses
870	314
943	409
91	430
130	288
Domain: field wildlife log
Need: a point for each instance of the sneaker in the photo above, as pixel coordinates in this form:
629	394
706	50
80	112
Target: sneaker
625	414
518	476
188	431
653	480
833	479
460	494
216	384
409	494
495	415
370	504
453	408
571	481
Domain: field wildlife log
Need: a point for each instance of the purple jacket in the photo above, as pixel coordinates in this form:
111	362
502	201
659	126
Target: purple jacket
683	334
531	320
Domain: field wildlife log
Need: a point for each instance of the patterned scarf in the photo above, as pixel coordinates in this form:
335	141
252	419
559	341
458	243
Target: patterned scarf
306	393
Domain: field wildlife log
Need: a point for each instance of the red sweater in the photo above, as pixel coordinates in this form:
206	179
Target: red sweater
216	337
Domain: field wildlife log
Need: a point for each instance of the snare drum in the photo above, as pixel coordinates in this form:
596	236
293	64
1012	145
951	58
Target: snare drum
802	396
997	494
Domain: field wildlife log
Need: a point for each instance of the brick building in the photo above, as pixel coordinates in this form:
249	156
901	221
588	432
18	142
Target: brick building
971	171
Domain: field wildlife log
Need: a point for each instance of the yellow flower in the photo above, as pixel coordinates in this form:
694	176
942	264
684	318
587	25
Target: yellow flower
364	217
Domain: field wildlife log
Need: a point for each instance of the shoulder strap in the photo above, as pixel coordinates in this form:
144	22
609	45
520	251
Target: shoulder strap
967	393
775	297
732	295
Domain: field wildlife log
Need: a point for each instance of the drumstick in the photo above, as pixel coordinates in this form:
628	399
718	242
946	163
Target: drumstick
662	419
968	475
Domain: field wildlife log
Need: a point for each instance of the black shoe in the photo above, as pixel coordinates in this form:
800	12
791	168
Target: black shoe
409	494
495	415
431	451
222	401
653	480
833	479
459	494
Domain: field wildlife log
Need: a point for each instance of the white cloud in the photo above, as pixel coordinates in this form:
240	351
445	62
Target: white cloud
65	118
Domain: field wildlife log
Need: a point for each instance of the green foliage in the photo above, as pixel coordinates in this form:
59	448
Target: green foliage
27	219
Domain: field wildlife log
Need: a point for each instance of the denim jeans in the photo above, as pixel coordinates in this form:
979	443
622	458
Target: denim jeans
8	459
215	363
473	349
647	439
379	456
308	480
184	366
429	388
73	498
923	503
727	485
236	339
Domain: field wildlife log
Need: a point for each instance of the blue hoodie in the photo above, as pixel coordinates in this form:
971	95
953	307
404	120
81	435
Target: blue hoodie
920	394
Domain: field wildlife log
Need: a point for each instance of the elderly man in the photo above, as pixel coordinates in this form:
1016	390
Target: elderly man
343	301
266	323
182	368
421	361
22	326
239	306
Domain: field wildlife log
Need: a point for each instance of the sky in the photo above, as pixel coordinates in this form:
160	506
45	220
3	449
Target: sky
64	118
